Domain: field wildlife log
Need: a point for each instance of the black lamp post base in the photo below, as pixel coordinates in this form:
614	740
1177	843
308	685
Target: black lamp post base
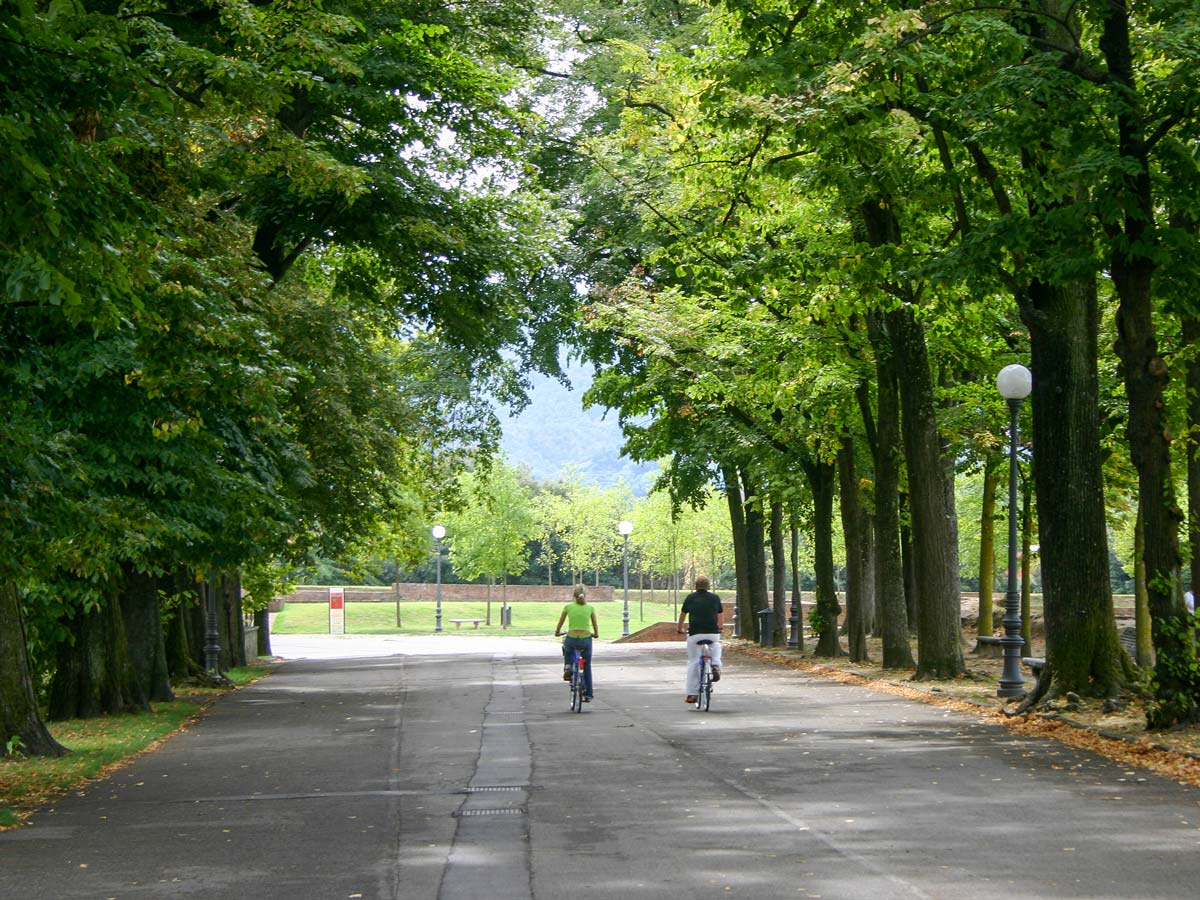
1012	683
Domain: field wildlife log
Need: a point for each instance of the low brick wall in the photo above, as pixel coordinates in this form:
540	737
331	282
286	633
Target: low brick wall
516	593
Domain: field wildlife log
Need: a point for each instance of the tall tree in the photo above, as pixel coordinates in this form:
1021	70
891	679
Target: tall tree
491	535
889	579
1142	122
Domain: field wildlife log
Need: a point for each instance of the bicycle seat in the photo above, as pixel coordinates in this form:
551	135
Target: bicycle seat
703	642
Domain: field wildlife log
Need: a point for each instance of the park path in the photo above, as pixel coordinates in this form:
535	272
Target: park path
447	768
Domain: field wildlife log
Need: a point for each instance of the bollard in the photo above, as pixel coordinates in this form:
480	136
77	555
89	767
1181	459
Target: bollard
766	626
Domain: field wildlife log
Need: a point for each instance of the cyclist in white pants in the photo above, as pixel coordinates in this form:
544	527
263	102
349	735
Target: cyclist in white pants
704	614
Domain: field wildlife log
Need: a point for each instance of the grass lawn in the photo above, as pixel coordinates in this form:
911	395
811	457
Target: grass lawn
99	744
417	617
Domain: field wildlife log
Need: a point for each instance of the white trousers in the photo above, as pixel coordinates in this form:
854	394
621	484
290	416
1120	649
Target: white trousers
693	648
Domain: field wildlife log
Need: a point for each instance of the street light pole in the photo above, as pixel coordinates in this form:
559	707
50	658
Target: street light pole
626	529
212	634
1014	383
439	532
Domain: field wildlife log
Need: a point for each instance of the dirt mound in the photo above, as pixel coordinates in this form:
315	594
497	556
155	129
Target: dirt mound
658	632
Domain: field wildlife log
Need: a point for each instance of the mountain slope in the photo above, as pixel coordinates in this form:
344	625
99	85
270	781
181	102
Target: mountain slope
555	432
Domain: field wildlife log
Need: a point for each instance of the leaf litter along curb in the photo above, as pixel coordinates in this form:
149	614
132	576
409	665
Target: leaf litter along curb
1137	749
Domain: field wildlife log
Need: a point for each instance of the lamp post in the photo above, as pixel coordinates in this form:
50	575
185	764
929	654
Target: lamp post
1014	383
796	623
626	529
439	532
212	634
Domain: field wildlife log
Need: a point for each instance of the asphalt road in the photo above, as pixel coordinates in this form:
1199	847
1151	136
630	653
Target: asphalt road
450	768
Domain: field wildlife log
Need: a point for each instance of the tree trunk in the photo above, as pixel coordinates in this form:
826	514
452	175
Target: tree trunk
233	625
1176	681
196	623
778	575
1027	566
797	594
889	561
1191	338
21	725
867	542
737	521
935	544
821	480
94	676
931	493
1141	599
912	601
262	621
851	509
1131	262
756	554
141	614
1081	636
181	663
987	549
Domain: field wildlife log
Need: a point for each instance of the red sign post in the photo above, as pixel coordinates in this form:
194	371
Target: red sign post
337	610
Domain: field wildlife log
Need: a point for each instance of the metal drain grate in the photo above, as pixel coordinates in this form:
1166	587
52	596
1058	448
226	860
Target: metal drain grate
497	787
504	811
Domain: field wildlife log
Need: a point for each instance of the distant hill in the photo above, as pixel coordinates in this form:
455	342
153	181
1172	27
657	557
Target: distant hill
555	432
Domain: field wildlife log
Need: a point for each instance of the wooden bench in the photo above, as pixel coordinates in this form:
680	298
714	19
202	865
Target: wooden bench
458	623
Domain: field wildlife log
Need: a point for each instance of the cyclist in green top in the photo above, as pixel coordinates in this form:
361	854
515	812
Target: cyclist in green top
581	628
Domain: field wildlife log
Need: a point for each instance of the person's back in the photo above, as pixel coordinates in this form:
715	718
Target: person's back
703	609
579	618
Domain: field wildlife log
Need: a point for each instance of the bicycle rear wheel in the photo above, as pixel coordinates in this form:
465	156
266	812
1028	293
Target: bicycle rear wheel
705	687
577	686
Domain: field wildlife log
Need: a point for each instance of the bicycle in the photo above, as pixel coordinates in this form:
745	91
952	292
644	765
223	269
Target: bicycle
578	681
704	694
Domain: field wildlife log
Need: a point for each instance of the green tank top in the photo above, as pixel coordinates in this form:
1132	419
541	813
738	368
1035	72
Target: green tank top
579	617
